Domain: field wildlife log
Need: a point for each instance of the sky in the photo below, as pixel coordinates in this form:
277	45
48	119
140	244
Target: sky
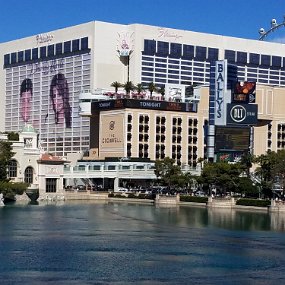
236	18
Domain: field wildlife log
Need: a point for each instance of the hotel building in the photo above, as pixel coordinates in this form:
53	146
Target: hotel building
91	56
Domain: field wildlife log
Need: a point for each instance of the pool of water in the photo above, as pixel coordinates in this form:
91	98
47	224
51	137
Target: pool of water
124	243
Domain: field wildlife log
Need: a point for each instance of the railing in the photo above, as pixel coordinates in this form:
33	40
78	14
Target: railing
86	172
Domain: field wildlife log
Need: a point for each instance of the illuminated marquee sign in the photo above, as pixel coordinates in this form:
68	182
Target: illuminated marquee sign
221	99
144	104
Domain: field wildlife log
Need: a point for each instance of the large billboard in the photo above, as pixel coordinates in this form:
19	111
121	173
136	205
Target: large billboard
45	94
232	139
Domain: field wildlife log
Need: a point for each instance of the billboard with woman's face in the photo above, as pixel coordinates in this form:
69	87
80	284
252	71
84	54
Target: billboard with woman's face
45	94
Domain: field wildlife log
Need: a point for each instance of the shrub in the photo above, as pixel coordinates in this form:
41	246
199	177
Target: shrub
187	198
253	202
132	195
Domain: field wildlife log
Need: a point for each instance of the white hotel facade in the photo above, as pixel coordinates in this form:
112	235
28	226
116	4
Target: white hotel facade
91	56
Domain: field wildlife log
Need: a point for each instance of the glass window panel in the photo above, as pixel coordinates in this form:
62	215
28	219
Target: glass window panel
43	52
51	50
84	43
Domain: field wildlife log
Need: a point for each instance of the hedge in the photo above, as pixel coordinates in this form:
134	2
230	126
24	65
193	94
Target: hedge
184	198
253	202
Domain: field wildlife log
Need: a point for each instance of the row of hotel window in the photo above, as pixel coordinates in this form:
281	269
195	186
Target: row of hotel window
201	53
46	52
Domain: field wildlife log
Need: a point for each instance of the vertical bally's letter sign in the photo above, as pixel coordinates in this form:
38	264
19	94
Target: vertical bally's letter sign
221	99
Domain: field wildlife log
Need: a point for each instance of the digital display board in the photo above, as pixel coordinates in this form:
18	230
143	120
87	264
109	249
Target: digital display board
244	92
232	139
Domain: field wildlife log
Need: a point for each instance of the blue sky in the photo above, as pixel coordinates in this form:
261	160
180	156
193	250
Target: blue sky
237	18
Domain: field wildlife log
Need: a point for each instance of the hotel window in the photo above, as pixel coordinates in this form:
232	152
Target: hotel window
213	54
201	53
13	57
6	59
254	58
241	57
149	47
27	55
175	50
12	168
20	56
51	185
276	61
230	55
67	47
75	45
188	52
43	52
162	49
35	54
84	43
51	50
265	60
192	141
58	49
160	65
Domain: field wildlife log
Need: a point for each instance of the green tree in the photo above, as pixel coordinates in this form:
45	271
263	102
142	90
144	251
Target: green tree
247	188
116	85
279	169
168	173
12	136
266	171
5	156
7	188
222	175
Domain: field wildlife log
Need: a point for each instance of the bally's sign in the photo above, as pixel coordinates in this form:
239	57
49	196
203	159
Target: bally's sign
222	95
242	114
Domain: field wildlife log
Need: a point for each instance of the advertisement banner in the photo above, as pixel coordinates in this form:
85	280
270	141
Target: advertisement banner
45	95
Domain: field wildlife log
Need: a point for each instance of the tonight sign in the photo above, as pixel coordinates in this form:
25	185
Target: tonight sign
143	104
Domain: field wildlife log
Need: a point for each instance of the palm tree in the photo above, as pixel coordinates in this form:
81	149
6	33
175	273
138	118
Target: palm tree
116	85
151	88
129	86
139	87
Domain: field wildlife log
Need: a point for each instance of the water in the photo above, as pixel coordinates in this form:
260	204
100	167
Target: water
121	243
